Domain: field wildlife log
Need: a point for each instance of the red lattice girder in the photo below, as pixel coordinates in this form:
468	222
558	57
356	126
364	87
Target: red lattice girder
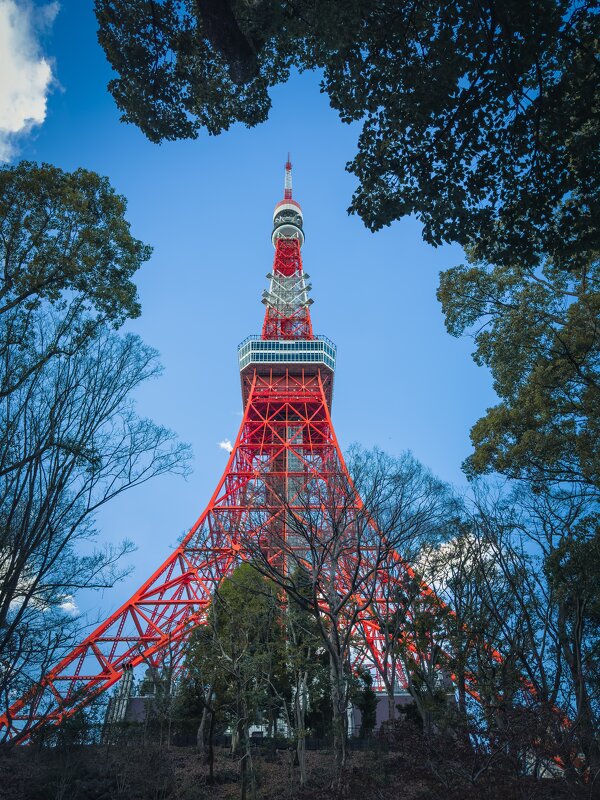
288	321
286	435
286	432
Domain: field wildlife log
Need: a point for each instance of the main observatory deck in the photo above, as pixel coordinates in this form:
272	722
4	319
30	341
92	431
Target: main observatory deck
256	350
292	355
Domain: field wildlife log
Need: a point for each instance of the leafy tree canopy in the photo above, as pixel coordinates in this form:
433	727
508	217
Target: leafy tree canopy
479	117
66	232
240	652
538	330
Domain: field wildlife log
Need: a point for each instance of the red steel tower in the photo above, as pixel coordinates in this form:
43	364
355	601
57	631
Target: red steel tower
286	439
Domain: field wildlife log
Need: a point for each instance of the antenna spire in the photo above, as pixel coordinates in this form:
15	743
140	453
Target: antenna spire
287	194
287	217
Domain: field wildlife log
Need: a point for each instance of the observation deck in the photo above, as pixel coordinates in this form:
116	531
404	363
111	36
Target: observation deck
256	350
294	355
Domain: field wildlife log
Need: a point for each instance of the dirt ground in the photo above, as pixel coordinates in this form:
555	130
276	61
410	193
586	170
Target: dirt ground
180	773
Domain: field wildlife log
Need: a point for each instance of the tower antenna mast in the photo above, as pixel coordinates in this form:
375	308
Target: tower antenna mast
287	191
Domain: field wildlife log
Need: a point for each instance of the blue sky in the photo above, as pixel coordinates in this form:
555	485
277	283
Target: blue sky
402	382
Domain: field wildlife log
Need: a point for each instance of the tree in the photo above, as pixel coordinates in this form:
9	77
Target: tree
538	331
325	554
72	441
476	116
421	647
67	259
279	649
523	630
424	515
451	569
306	672
237	657
476	630
563	527
197	704
66	232
364	698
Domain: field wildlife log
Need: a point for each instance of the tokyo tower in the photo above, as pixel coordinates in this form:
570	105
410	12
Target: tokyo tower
285	440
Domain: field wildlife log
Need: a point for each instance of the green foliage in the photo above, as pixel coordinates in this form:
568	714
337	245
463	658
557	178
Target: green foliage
80	728
363	696
574	568
66	232
238	657
573	571
319	719
171	83
259	656
479	118
538	331
193	692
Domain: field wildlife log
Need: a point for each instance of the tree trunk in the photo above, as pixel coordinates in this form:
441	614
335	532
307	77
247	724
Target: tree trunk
388	676
340	719
301	753
206	712
210	748
390	686
572	650
300	722
200	731
419	705
243	763
246	767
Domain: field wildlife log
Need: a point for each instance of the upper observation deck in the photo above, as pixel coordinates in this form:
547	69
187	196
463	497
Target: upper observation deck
255	351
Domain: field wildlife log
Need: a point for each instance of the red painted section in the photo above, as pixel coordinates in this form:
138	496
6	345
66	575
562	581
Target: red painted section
295	325
288	202
286	435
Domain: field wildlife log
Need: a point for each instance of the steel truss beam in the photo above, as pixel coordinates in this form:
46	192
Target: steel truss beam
286	423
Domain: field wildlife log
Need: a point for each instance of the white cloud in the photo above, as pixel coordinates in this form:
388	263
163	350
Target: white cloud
69	605
226	445
439	564
25	75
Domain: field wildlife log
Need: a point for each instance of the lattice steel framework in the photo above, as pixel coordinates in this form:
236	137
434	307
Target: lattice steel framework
286	439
